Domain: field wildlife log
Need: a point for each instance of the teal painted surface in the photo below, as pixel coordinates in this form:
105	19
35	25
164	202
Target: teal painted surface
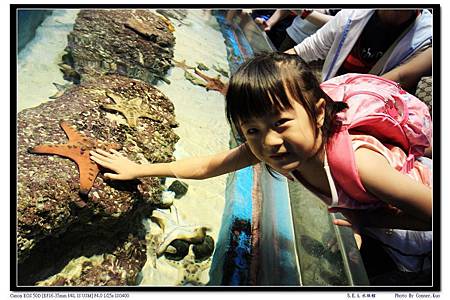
278	263
28	22
231	260
232	256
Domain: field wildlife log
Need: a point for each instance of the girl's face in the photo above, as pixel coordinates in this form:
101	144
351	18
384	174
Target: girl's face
284	140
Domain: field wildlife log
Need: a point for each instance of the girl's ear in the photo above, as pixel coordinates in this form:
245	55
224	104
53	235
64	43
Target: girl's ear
320	109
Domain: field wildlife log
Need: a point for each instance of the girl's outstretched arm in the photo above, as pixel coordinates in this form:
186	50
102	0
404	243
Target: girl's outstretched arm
393	187
190	168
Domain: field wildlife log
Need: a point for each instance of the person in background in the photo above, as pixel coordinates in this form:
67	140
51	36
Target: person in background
277	33
410	73
372	41
305	23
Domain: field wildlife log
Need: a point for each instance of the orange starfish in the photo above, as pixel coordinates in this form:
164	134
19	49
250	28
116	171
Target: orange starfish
213	83
77	149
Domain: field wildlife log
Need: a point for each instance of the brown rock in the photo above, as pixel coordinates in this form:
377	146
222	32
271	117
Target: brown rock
53	217
133	43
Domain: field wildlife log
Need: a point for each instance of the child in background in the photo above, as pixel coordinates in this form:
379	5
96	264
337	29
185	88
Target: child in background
286	120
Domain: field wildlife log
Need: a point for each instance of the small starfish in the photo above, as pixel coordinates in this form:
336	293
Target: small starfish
77	149
213	83
172	230
131	109
189	271
182	65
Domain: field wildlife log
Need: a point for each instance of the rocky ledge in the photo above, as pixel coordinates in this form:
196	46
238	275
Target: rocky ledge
57	221
133	42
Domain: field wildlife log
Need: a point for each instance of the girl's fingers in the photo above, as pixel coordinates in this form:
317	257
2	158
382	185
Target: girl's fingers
111	176
102	152
115	152
102	162
100	157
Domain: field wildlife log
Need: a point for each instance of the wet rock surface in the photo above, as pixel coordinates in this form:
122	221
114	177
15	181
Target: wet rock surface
119	268
53	227
131	42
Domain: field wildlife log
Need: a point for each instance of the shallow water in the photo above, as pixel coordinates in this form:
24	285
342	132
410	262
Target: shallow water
203	128
37	66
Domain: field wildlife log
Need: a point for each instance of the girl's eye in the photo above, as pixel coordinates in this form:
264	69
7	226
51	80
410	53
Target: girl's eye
280	122
251	131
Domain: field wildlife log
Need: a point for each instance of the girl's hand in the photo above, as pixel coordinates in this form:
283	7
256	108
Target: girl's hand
125	169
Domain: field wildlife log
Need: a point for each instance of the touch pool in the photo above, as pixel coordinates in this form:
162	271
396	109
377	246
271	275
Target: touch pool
151	82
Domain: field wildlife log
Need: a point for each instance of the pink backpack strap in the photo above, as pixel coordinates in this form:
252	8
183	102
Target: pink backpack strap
341	159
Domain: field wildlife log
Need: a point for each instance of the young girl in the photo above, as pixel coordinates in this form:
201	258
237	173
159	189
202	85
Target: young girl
285	120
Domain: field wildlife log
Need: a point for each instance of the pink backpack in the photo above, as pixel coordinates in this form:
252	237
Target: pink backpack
382	109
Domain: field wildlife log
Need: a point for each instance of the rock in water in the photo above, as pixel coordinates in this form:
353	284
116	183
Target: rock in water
134	43
119	268
53	218
181	250
179	188
205	249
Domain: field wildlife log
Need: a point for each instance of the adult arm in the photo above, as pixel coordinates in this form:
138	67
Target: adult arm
409	73
389	185
318	18
190	168
276	17
317	46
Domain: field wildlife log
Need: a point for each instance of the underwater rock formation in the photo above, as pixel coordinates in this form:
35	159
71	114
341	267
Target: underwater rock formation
174	230
205	249
132	42
49	213
119	268
180	188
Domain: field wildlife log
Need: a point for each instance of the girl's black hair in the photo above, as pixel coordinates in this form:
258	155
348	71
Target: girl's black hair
259	87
